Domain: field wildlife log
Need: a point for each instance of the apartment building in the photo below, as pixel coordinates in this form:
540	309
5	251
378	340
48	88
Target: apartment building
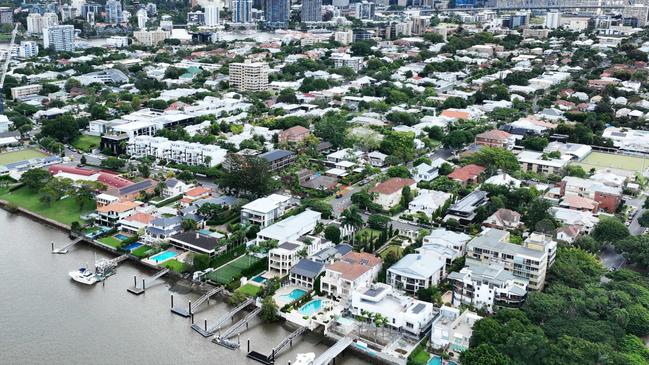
264	211
607	197
278	159
542	163
403	313
452	329
36	22
24	91
347	60
527	261
495	138
27	49
59	38
150	37
487	286
189	153
249	76
284	257
353	270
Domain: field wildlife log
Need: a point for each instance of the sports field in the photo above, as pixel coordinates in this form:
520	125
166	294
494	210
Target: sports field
15	156
232	270
599	160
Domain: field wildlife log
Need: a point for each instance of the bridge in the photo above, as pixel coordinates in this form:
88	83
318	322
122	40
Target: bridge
64	249
137	291
270	359
209	331
206	297
333	351
224	338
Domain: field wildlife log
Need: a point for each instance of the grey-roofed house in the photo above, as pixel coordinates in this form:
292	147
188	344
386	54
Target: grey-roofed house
464	211
278	159
305	272
197	242
164	227
331	254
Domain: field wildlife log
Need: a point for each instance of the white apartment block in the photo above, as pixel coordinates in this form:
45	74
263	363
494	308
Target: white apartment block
403	313
150	37
36	22
193	154
117	41
59	38
538	163
282	258
346	60
452	329
26	90
264	211
249	76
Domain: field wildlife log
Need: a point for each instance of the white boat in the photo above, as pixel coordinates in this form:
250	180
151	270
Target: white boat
83	276
305	359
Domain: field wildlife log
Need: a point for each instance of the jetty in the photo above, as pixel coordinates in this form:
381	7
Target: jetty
146	281
65	249
186	312
270	358
224	339
206	331
333	351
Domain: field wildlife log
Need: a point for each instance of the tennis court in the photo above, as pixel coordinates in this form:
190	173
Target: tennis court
599	160
233	269
22	155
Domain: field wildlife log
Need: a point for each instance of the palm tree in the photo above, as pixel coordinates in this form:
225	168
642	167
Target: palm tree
352	217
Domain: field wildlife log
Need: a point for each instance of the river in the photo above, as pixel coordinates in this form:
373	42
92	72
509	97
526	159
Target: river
45	317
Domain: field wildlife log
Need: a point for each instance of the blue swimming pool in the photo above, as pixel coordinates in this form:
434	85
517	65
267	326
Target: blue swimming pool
121	237
258	279
162	256
294	295
435	360
311	307
132	246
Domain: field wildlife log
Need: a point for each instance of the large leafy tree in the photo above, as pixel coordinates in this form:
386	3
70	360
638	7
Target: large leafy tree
35	179
496	158
609	230
247	175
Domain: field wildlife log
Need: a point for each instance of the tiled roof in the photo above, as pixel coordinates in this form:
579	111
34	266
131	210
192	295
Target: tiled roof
467	172
392	185
494	134
118	207
197	191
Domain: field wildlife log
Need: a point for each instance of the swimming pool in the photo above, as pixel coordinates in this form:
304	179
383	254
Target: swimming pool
435	360
311	307
163	256
294	295
121	237
132	246
258	279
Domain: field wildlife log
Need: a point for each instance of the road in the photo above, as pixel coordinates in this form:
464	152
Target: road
635	228
611	260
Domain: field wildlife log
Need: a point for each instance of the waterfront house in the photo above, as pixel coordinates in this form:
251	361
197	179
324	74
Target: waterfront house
197	243
305	272
403	313
291	228
109	215
164	227
452	330
353	270
282	258
136	223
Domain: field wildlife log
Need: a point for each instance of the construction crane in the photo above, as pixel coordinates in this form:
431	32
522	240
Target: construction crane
6	66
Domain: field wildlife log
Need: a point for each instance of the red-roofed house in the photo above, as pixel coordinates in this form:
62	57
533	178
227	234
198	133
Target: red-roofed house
108	178
577	202
196	193
294	134
466	174
495	138
388	193
456	114
352	271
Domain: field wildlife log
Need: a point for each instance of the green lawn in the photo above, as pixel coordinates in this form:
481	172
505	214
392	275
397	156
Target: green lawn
250	290
64	211
398	250
111	241
141	252
175	265
227	273
27	154
87	143
421	358
600	160
366	232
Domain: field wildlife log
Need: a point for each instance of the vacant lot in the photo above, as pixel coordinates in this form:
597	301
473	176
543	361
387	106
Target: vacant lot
65	210
11	157
600	160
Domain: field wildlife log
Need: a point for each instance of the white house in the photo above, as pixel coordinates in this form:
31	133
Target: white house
429	201
353	270
282	258
291	228
175	187
403	313
452	329
417	271
264	211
